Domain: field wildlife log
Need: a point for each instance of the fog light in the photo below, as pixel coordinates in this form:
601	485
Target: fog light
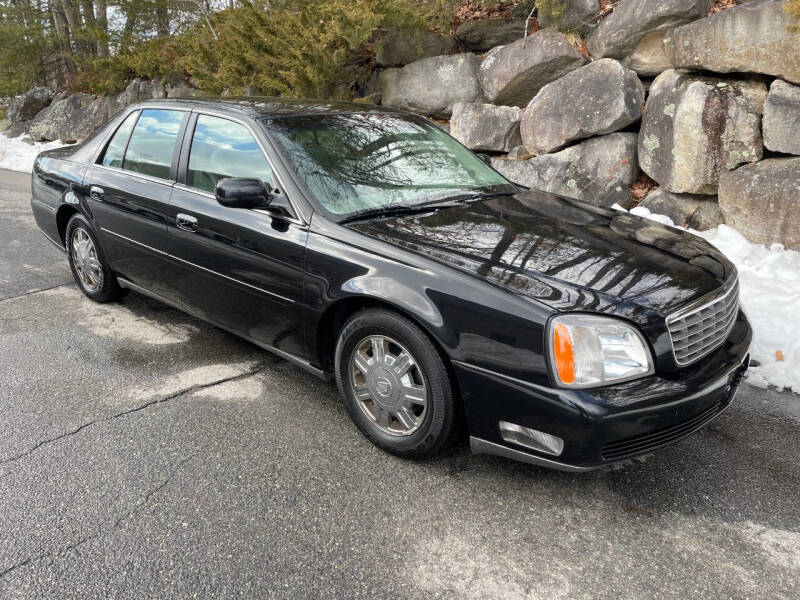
531	438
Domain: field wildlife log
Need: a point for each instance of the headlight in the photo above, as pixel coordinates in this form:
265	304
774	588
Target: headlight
591	350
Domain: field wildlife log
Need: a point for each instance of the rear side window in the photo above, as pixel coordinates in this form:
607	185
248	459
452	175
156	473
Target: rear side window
116	147
222	149
153	143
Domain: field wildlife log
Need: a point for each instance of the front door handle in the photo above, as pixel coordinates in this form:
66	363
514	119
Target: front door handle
186	222
96	193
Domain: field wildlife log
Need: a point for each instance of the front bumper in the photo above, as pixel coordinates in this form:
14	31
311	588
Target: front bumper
609	424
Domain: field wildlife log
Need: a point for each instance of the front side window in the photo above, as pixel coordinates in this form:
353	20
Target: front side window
112	157
356	162
152	144
223	149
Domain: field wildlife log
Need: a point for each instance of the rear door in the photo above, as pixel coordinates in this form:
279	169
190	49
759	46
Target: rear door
242	268
129	189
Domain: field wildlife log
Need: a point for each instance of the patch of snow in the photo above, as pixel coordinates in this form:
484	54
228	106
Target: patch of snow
769	280
644	212
769	289
16	154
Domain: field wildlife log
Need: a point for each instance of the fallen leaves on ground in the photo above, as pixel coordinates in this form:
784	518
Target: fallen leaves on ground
642	187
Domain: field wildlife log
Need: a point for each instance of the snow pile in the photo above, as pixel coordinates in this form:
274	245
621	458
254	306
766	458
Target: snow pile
769	284
769	280
18	155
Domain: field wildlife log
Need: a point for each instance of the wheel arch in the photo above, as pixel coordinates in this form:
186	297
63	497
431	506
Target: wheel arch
335	316
64	213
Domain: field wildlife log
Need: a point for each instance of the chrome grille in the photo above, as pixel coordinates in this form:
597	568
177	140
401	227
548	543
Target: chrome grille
700	330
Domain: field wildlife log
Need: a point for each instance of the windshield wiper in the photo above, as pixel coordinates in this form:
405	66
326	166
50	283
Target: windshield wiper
395	210
472	196
398	210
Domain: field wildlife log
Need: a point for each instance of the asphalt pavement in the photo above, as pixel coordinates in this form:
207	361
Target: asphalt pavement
145	454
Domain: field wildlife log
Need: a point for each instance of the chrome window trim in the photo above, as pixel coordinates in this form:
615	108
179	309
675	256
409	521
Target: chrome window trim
167	182
278	180
733	286
166	254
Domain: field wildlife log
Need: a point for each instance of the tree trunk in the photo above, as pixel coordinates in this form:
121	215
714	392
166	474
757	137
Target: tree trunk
131	16
65	72
75	25
162	18
101	19
89	26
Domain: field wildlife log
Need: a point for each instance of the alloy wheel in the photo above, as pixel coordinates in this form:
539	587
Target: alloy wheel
87	264
389	385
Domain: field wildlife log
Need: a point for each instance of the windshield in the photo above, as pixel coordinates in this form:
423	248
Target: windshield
352	163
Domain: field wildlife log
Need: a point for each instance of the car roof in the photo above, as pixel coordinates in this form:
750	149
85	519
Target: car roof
258	107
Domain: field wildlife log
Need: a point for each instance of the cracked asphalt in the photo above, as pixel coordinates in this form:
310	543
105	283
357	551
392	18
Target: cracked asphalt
146	454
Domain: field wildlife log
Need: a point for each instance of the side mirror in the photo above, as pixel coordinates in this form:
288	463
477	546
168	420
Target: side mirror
485	158
242	193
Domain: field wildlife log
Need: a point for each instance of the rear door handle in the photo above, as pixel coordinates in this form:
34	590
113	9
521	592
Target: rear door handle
186	222
96	193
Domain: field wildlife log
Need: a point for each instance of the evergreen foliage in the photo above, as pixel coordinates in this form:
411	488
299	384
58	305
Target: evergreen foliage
311	48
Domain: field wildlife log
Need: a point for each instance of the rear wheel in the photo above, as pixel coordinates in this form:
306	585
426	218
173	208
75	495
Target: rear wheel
86	260
395	384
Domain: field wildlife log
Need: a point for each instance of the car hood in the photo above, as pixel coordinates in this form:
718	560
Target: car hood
565	253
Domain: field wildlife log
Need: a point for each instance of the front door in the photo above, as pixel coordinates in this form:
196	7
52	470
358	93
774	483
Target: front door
129	190
241	268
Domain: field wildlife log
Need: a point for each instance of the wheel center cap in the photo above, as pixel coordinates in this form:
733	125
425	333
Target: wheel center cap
383	387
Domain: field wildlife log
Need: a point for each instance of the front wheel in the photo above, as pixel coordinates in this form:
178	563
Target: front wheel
89	267
395	385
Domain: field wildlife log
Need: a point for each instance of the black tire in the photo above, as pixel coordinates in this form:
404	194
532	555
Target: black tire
439	421
107	288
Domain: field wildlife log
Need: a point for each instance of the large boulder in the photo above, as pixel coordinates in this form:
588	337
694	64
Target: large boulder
513	74
26	106
648	59
432	85
482	36
782	118
72	118
140	90
14	130
398	48
686	210
569	15
753	37
599	98
762	201
619	33
486	127
695	128
599	170
178	88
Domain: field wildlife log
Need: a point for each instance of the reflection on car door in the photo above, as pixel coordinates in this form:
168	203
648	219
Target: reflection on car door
242	268
129	189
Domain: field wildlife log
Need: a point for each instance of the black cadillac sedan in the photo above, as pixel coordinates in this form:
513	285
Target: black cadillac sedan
368	245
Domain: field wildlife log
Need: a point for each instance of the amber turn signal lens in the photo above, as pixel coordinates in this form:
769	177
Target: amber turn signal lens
564	354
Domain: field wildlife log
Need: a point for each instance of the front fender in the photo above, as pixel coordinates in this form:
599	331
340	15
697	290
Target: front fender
472	320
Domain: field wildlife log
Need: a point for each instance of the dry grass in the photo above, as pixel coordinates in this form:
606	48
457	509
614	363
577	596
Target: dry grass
642	187
578	43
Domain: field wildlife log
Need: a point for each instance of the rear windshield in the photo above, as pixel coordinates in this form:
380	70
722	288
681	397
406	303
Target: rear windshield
355	162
